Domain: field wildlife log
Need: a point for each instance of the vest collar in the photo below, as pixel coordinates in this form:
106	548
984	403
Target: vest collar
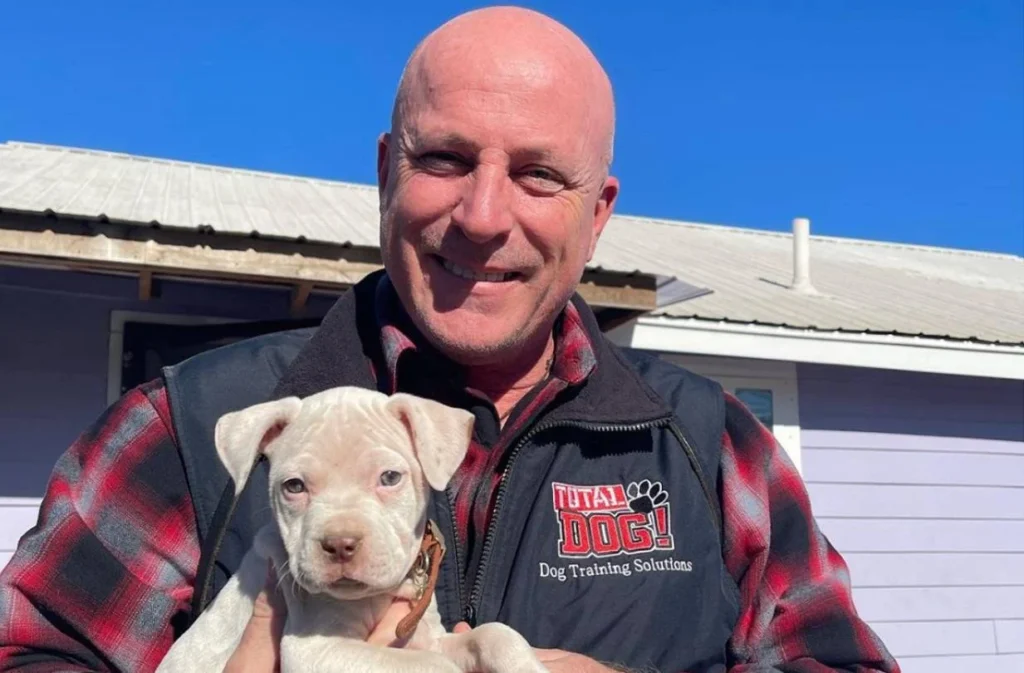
346	347
342	351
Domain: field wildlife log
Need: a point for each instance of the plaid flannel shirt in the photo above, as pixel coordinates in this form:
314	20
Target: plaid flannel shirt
416	368
97	583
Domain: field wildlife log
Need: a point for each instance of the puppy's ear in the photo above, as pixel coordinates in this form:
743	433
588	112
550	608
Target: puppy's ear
440	435
241	436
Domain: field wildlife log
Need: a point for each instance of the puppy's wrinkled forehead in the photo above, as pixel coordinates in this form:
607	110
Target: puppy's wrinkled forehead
338	426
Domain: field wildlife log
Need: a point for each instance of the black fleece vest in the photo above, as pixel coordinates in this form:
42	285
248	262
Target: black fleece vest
637	583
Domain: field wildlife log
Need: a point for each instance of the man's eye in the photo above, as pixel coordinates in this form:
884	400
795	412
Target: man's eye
445	162
390	478
542	180
294	486
540	173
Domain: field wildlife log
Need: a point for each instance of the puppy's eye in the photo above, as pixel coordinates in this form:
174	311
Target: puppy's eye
294	486
390	478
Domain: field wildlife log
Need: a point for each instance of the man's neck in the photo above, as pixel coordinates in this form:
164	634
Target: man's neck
506	383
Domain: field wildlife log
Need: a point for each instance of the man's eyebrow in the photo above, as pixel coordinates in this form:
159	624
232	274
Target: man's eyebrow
533	153
455	140
444	139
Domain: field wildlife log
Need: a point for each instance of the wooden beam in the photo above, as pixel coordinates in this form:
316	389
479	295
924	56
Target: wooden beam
99	252
145	285
634	297
610	318
185	237
300	294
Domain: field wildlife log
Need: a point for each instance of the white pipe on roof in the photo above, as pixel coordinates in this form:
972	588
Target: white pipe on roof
802	256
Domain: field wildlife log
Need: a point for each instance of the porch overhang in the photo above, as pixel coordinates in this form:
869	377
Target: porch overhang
154	252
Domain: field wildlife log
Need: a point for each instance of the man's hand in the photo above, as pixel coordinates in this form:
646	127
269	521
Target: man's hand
258	650
384	633
558	661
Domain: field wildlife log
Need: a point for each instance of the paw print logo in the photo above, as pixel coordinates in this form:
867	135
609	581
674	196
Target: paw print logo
644	496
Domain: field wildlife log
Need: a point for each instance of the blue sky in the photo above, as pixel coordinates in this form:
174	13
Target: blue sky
898	120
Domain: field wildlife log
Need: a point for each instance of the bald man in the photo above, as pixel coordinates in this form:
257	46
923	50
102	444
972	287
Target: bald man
619	512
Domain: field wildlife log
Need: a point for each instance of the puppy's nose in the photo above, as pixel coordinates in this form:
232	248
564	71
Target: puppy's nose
343	547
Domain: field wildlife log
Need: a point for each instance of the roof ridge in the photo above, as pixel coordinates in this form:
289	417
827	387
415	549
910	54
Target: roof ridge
838	240
186	164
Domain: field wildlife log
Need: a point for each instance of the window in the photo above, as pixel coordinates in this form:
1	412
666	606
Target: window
143	343
759	400
767	388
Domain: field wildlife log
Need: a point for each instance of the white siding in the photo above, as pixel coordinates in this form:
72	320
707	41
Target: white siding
17	515
918	480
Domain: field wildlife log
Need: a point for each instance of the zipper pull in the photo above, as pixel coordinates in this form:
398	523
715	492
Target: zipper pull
469	616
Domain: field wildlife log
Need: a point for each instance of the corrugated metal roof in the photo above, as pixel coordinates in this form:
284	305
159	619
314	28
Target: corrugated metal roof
88	183
864	286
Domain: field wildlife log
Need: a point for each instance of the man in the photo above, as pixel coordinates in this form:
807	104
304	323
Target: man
616	510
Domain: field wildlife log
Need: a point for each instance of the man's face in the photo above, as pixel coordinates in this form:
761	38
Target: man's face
493	195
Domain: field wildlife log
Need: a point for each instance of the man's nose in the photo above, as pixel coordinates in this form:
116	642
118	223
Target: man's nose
342	546
485	210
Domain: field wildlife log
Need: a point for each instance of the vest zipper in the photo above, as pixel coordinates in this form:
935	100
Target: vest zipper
456	544
472	608
701	479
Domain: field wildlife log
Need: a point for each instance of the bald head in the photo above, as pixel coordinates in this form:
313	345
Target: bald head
513	48
495	184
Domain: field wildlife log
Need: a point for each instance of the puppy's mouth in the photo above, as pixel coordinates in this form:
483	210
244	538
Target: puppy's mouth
318	581
348	584
342	588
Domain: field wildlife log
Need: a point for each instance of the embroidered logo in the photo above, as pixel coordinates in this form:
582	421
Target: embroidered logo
614	519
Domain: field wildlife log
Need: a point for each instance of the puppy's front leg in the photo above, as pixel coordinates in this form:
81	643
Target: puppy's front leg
327	654
491	648
210	641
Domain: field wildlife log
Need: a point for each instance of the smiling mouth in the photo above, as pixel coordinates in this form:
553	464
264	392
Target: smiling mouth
468	274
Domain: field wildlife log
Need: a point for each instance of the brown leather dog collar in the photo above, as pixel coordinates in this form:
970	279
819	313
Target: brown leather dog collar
424	572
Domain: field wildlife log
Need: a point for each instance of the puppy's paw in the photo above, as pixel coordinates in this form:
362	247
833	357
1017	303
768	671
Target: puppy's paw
498	648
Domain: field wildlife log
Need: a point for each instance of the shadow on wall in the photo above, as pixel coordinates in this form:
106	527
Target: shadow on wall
55	357
910	403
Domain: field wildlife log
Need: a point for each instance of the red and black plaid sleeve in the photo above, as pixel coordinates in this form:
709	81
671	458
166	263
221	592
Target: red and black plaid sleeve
796	608
94	585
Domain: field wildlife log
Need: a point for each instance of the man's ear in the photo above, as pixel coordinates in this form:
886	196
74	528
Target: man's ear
241	436
383	164
440	435
603	211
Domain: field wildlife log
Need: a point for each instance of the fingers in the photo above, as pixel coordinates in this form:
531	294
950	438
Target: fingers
383	633
462	627
268	601
259	648
548	655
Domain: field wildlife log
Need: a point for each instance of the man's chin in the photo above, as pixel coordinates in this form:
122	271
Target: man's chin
472	349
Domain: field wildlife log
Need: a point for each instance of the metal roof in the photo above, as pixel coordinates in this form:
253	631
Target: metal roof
123	187
863	286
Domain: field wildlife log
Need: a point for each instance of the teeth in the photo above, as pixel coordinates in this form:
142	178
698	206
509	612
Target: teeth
472	275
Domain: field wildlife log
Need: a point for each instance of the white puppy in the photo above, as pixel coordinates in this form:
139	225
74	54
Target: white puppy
350	477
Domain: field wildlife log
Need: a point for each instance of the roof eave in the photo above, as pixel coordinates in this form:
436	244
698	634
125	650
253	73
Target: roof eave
99	244
932	354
